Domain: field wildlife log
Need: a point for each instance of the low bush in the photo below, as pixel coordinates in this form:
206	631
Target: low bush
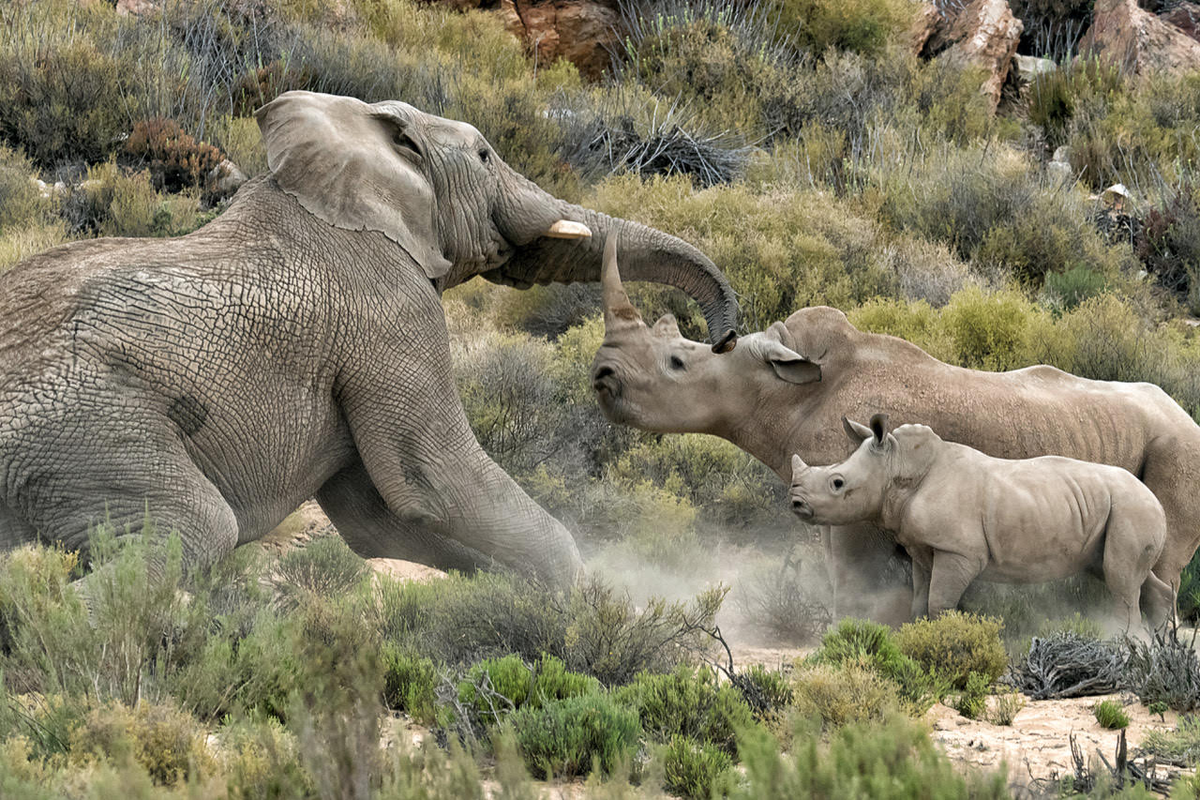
175	159
695	770
860	26
852	692
495	687
1070	664
261	760
1180	747
688	702
168	743
564	738
1165	670
1110	714
955	645
971	702
594	629
768	692
1005	708
869	644
870	760
325	567
111	202
409	683
784	601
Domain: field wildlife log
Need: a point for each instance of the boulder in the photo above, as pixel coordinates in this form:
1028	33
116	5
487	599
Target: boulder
1029	67
581	31
1127	35
925	23
982	33
1185	17
134	7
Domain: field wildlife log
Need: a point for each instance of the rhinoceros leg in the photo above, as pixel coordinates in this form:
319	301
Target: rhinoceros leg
951	575
1172	471
859	559
1131	546
1157	600
920	580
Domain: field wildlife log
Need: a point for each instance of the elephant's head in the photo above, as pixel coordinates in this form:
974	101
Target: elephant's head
652	378
439	191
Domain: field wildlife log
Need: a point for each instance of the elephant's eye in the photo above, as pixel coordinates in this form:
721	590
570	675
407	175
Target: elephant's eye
677	363
484	154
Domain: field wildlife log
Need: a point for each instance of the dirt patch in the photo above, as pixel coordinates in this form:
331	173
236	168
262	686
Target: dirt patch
1037	744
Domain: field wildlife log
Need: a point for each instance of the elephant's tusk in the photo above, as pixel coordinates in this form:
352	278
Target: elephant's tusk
568	229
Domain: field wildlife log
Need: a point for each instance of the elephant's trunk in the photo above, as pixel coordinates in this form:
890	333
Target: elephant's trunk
645	254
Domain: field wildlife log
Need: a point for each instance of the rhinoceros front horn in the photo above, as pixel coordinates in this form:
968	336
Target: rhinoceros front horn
618	311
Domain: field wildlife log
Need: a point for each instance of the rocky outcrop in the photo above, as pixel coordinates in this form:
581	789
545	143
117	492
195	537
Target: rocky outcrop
982	33
1125	34
581	31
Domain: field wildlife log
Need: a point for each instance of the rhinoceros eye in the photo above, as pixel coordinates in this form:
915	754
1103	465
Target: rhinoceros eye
838	483
677	363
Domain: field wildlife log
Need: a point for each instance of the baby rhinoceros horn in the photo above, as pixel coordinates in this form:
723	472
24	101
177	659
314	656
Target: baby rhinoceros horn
798	467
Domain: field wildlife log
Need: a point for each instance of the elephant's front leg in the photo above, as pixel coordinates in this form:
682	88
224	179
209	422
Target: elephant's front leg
422	458
369	527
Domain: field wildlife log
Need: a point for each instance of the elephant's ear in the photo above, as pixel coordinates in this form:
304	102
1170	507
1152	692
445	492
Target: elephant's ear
337	156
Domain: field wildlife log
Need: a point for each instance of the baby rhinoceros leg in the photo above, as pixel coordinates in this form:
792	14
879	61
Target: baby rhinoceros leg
951	575
1133	541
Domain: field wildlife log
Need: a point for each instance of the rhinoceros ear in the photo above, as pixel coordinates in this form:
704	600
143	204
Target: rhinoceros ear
773	346
857	432
879	427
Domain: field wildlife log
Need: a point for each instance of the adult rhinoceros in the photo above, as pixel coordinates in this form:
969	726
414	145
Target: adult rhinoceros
295	346
784	391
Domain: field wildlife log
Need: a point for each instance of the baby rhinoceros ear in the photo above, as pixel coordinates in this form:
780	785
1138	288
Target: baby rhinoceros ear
857	432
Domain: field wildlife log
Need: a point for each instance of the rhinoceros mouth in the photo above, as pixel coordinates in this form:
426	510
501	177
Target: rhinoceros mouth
802	509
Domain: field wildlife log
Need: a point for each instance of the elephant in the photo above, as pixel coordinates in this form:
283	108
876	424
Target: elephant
783	390
295	346
963	515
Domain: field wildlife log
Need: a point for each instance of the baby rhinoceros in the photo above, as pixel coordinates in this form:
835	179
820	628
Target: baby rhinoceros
962	515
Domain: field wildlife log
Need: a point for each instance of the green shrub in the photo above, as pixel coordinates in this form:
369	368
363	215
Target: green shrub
409	683
889	759
564	738
594	629
955	645
695	770
553	681
972	701
1006	708
871	645
325	567
861	26
850	692
168	743
494	687
688	702
21	203
113	203
1066	290
1180	747
1110	714
261	760
768	692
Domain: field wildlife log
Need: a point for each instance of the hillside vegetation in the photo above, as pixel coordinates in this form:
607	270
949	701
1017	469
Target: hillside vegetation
800	145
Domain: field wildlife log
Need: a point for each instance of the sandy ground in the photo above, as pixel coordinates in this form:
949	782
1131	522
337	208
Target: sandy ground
1037	744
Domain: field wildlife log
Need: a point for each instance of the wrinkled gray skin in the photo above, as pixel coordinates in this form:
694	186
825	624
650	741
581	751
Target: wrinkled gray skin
296	346
962	515
784	391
